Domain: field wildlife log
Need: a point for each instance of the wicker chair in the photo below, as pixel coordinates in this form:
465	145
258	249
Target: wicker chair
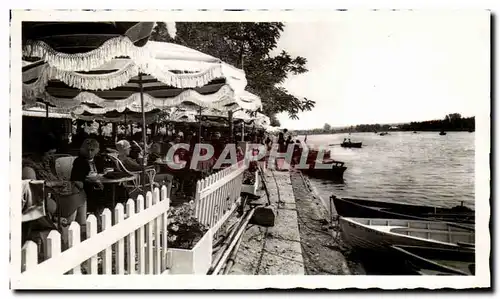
135	185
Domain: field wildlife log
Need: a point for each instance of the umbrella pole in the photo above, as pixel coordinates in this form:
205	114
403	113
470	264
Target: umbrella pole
230	119
243	130
144	136
199	131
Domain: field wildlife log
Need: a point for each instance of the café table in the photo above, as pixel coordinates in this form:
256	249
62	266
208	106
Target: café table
114	182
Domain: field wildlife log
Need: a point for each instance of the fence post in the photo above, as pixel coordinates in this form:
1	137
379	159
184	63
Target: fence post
29	256
157	223
73	240
119	250
53	244
197	203
130	245
92	231
149	237
106	257
164	227
141	255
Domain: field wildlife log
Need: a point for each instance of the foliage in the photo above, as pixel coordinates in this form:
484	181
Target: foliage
184	229
247	45
327	127
274	121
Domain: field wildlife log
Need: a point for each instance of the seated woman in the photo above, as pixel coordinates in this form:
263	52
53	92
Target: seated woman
85	164
69	196
124	148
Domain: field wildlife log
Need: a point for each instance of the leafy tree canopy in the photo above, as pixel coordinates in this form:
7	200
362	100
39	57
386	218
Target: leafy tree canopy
248	46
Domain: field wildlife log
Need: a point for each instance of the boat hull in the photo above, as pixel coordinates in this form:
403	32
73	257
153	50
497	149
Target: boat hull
335	173
429	260
359	208
352	144
378	236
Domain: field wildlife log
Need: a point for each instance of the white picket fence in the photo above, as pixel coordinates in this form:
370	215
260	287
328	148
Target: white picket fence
131	240
218	195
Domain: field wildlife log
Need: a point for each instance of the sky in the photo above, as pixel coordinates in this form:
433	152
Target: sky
389	67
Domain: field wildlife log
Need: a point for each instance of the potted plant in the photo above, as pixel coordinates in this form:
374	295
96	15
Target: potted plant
189	241
250	179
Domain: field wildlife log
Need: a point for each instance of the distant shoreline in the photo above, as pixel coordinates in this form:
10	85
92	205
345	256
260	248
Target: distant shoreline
452	123
389	131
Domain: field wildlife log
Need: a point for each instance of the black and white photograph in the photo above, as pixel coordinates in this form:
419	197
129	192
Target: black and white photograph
214	149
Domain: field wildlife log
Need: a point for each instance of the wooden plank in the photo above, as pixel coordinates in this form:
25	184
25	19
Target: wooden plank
149	237
140	244
130	244
157	245
107	267
91	232
120	245
29	255
73	240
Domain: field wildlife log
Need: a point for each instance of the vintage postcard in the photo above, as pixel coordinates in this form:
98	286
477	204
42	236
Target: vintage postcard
327	149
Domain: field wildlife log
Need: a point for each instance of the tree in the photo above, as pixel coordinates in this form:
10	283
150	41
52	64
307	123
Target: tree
248	46
453	117
327	127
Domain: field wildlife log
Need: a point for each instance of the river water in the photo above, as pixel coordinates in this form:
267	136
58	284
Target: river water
423	168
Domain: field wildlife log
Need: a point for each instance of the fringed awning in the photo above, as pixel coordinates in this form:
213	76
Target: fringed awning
217	96
115	74
119	117
171	64
174	69
40	110
75	46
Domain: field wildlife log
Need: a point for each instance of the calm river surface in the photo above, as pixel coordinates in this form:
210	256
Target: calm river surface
423	168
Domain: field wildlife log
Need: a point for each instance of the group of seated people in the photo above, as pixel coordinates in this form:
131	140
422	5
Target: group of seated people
72	199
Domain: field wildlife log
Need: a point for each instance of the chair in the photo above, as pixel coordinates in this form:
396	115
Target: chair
63	166
136	184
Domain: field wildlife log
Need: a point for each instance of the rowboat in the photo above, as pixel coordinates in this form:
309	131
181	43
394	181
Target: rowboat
351	144
380	234
432	261
350	207
323	168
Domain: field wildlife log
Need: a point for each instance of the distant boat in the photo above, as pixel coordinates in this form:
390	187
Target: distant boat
415	132
470	131
431	261
442	133
383	134
351	144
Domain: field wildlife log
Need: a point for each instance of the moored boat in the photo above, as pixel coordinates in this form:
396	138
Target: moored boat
351	144
432	261
442	133
383	134
325	168
377	234
360	208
